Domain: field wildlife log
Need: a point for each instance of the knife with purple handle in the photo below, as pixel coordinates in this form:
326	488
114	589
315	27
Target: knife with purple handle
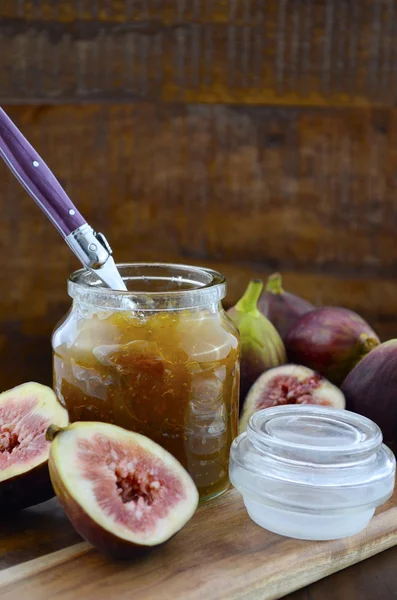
91	248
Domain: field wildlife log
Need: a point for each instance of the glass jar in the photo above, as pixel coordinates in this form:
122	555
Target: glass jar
161	359
312	472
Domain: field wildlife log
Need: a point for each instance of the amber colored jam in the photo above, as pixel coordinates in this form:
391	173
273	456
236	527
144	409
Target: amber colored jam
172	376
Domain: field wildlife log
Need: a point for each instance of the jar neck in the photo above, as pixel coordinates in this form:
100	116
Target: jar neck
151	287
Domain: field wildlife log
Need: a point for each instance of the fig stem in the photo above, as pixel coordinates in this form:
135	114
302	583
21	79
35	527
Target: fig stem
367	344
52	432
274	284
248	302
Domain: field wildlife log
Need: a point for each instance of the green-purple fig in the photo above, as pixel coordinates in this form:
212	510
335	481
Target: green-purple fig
261	345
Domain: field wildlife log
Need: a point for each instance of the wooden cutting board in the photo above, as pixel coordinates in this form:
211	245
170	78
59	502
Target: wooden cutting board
220	554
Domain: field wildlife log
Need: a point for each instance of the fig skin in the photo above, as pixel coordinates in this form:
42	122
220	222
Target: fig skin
261	345
108	542
26	489
330	340
31	486
290	384
280	307
371	389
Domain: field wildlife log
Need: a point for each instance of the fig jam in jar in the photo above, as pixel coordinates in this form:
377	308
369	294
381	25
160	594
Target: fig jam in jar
161	359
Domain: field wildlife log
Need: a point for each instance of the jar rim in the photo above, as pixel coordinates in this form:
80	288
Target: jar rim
180	286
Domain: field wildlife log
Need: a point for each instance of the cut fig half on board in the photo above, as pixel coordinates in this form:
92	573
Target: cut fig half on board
25	414
290	384
122	492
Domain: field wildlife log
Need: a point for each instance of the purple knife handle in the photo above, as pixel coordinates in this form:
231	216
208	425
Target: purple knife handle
37	179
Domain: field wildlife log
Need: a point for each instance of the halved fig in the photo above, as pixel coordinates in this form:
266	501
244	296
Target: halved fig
122	492
26	412
290	384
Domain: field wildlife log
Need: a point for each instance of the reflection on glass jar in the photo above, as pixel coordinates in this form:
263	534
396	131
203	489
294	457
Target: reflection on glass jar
160	359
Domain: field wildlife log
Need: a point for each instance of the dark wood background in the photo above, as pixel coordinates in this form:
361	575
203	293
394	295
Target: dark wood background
247	135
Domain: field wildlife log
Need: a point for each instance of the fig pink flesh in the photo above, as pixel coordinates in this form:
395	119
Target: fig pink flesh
287	389
131	485
22	433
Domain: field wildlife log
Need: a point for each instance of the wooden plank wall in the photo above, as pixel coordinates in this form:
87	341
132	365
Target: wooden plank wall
247	135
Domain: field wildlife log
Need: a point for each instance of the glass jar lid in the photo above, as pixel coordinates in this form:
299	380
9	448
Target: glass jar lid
312	458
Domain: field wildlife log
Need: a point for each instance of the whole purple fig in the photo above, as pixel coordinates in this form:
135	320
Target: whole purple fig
330	340
371	389
281	307
261	346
